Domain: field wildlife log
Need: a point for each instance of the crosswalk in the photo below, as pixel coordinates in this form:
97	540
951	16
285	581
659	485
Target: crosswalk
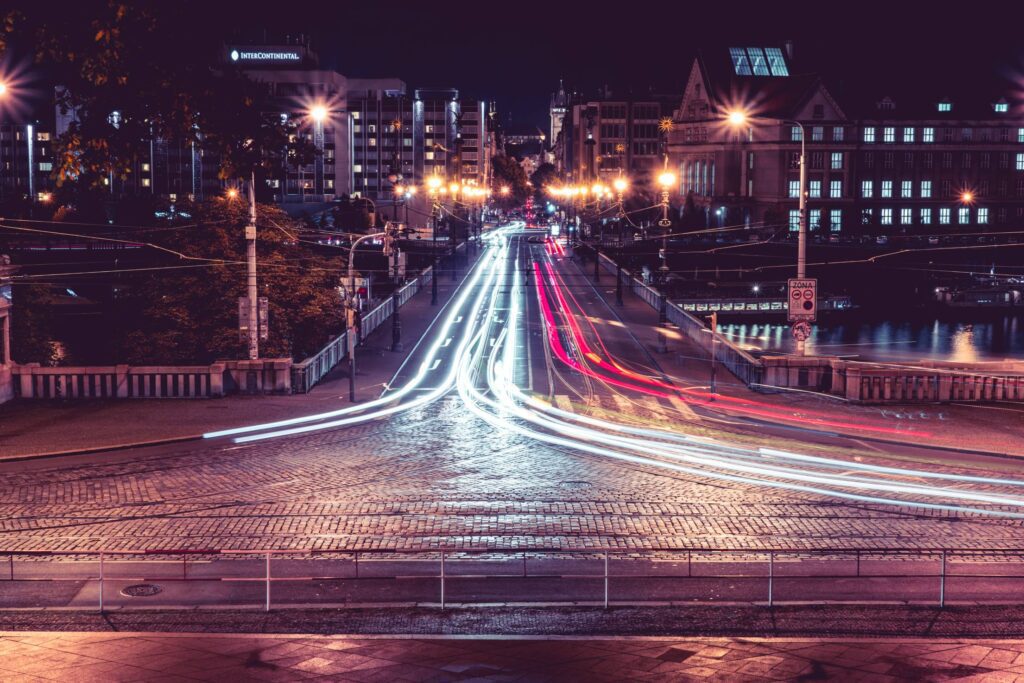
645	409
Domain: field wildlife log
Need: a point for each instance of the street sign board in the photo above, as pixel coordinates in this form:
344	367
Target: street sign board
263	312
243	318
803	299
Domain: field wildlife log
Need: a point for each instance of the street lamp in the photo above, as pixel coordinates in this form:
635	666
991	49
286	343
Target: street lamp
620	184
738	118
435	185
667	180
318	113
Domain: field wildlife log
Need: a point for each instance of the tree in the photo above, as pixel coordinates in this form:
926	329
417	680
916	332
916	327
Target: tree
545	175
508	173
189	314
129	76
693	218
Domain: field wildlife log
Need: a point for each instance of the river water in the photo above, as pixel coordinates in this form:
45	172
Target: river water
992	337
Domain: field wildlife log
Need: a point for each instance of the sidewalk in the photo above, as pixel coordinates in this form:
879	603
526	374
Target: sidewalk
991	428
29	428
50	656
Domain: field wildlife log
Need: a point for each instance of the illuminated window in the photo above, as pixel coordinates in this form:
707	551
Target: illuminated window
145	182
926	189
928	135
740	63
869	134
815	219
837	133
835	189
145	167
1020	135
1000	108
926	215
794	220
372	142
886	188
815	189
817	134
907	188
982	215
758	62
42	136
867	189
837	160
835	219
776	62
355	115
866	216
1020	162
357	168
889	134
886	216
944	216
794	188
945	106
963	215
796	133
908	135
906	216
45	166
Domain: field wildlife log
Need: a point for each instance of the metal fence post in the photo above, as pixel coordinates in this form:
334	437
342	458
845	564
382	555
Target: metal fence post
606	579
442	579
942	581
771	576
101	583
266	607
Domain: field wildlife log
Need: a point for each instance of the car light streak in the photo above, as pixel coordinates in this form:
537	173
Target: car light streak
494	254
507	401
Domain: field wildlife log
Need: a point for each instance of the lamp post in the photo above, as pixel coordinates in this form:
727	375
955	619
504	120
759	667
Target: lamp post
667	180
739	118
434	185
454	188
350	326
250	260
318	113
620	184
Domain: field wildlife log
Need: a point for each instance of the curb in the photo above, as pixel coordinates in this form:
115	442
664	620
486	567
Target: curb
101	449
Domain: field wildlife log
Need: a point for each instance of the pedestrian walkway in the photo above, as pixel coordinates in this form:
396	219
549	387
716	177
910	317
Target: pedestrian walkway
30	428
60	656
992	428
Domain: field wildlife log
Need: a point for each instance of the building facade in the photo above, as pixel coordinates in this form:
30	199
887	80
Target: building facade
895	166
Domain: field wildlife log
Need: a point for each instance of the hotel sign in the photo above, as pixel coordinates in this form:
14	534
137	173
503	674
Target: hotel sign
263	54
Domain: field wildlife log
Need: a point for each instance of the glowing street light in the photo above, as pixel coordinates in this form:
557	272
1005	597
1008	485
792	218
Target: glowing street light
667	179
318	113
505	189
738	118
620	184
232	193
3	88
967	197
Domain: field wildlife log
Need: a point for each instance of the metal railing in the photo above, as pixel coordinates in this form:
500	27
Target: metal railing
306	374
740	363
440	577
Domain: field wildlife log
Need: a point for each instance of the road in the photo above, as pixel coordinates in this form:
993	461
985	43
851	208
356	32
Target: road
515	424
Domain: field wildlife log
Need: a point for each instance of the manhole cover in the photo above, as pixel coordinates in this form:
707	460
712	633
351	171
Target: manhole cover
575	484
141	590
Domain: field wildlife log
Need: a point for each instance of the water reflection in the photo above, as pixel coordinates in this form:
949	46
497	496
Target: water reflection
935	339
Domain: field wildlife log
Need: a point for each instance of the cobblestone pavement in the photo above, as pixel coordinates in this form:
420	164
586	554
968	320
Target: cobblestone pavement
182	657
436	476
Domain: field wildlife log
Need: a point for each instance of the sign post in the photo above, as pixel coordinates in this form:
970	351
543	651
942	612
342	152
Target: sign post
803	308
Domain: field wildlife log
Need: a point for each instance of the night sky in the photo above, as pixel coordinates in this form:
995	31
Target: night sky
516	52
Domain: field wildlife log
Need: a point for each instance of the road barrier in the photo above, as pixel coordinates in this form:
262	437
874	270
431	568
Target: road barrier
448	576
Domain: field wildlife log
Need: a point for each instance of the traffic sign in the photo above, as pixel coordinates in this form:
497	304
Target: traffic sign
665	223
801	331
803	299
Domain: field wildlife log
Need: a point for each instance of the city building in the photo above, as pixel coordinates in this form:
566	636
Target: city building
899	164
603	137
476	147
26	159
383	125
557	112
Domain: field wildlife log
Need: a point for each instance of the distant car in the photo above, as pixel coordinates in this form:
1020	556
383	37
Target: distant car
834	239
933	241
882	239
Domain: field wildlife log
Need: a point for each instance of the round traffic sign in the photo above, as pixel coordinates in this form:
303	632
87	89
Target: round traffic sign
664	222
801	331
